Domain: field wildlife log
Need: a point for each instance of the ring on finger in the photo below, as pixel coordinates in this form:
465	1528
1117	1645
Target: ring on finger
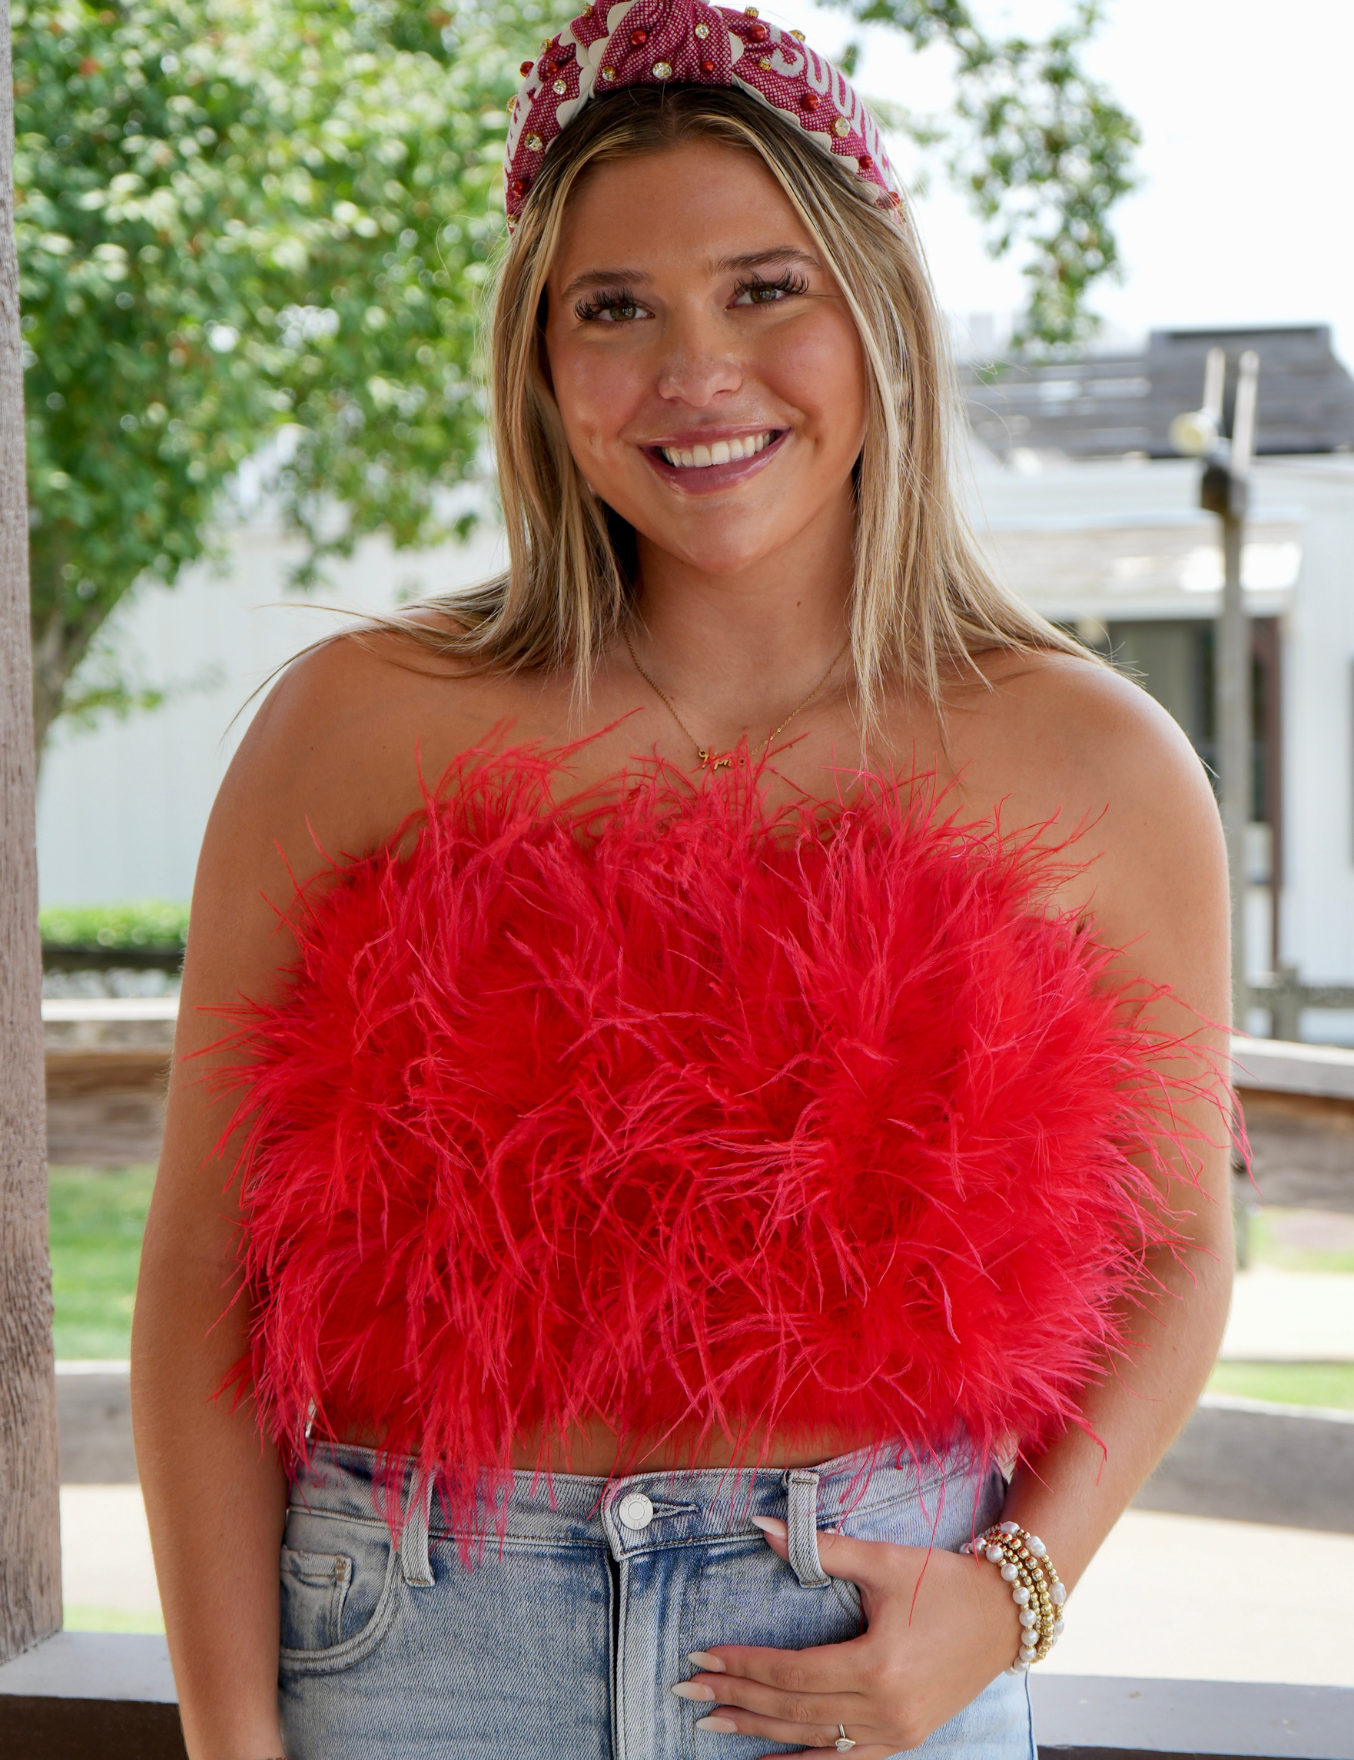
843	1742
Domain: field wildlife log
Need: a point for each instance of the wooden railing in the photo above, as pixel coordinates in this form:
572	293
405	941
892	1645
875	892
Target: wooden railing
86	1694
108	1059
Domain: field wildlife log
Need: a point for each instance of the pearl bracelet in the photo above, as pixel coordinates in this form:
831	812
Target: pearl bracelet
1036	1590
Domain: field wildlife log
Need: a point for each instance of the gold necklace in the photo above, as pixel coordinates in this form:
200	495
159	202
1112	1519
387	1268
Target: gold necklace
711	760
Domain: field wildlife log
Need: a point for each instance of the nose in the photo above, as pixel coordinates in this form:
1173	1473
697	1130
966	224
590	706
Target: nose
700	361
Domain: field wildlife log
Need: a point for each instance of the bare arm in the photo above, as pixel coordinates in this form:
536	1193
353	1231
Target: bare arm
941	1626
330	757
215	1493
1163	898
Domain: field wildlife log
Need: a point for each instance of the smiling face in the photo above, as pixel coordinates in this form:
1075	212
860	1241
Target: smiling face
706	366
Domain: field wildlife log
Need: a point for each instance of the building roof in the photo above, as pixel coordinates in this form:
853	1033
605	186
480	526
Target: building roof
1104	405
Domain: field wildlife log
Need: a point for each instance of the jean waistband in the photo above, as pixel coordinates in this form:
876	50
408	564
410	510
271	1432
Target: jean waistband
638	1512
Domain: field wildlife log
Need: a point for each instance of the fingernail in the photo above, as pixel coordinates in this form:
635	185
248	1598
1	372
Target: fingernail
692	1690
770	1525
702	1659
719	1724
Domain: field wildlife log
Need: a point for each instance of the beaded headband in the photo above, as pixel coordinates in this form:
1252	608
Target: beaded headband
652	42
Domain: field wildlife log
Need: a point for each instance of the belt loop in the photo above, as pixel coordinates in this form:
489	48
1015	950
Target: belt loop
801	1485
414	1534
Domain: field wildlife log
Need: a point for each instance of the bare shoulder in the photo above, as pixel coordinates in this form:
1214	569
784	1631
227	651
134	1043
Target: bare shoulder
333	762
1052	734
1054	740
345	733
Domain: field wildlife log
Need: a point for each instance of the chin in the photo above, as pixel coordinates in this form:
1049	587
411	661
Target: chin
718	546
722	559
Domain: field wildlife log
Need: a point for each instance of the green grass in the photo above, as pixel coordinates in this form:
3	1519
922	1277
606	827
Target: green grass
96	1217
1291	1384
110	1619
1270	1247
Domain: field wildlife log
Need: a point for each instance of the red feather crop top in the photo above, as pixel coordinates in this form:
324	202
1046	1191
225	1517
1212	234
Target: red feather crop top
694	1118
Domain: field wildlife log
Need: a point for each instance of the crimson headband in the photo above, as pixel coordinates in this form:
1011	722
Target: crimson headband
652	42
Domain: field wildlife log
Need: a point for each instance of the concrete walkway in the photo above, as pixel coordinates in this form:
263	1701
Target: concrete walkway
106	1564
1189	1598
1290	1316
1169	1597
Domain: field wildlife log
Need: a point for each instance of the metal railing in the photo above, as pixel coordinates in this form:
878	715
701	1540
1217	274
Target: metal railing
1284	996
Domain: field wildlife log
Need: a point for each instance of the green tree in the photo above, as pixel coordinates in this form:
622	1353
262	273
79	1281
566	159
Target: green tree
253	218
1041	148
235	218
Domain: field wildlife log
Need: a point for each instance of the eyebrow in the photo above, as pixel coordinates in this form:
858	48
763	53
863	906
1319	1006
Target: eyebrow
781	253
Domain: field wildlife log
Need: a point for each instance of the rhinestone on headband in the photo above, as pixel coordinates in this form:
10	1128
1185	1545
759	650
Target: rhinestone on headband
688	42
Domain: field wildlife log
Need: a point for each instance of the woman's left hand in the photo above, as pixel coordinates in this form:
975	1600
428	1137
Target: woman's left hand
940	1627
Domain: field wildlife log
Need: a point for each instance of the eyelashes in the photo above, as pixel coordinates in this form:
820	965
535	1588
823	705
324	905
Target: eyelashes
618	305
613	299
793	281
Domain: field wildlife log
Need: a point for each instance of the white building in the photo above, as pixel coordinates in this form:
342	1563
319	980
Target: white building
1121	551
1115	546
122	806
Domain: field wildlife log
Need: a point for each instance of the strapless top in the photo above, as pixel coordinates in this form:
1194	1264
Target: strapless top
671	1110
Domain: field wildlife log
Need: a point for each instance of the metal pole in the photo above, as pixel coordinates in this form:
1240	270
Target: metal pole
1215	377
1234	675
1234	744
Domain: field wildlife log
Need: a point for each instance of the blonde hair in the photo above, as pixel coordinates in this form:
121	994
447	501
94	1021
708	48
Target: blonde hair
922	595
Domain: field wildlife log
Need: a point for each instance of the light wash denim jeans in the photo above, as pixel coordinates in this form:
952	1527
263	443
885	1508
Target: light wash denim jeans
563	1641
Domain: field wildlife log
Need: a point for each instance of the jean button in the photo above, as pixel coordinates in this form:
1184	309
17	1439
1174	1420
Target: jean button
635	1510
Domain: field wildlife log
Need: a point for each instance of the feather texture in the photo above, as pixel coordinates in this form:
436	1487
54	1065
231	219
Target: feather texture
672	1111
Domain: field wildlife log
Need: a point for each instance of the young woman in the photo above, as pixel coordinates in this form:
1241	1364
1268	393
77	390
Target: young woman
723	1112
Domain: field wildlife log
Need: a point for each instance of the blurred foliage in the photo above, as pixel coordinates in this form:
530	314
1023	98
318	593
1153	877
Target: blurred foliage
1042	150
136	922
237	219
258	230
109	683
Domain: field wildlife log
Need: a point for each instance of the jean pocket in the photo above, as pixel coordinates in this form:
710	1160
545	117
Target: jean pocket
339	1590
747	1595
315	1587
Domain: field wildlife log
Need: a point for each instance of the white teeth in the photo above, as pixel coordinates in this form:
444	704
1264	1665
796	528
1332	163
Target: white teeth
722	452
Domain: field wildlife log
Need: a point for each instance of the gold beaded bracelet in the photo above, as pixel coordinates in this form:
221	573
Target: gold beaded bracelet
1036	1572
1039	1615
1029	1592
1037	1590
1030	1557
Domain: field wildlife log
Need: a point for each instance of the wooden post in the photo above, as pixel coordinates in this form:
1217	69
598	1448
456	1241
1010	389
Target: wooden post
30	1521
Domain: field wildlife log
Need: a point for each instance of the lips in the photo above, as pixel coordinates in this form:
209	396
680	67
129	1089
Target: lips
704	467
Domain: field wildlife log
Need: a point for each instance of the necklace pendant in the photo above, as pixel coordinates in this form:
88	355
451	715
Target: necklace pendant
711	761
